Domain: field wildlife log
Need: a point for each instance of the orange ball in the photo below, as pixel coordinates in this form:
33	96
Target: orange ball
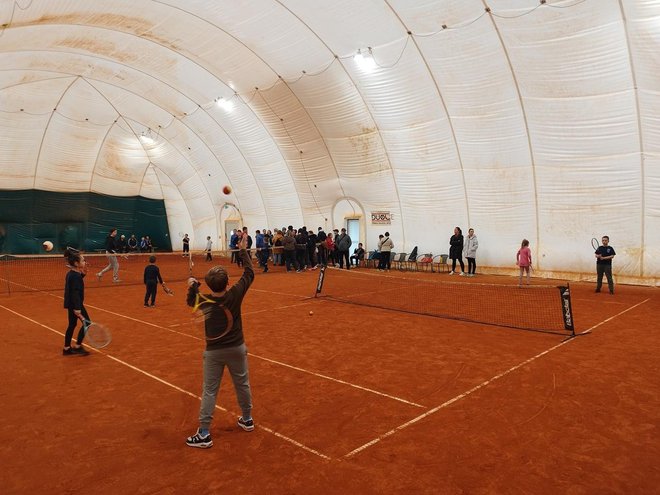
226	190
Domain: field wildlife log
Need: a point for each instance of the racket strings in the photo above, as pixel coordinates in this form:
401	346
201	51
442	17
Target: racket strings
214	315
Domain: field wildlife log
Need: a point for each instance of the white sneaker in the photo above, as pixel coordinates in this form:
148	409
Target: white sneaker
451	273
462	274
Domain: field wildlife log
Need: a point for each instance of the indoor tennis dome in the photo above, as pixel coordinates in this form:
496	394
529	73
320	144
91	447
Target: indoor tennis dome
518	118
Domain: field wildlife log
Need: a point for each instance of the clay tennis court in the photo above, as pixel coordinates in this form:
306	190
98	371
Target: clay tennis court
350	399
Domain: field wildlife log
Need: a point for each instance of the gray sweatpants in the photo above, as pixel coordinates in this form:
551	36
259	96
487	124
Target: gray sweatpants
113	265
235	358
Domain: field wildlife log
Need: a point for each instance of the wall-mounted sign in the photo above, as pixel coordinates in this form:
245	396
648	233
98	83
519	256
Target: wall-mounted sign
381	217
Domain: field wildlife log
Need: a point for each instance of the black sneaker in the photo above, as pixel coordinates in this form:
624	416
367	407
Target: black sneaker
68	352
246	425
80	351
199	441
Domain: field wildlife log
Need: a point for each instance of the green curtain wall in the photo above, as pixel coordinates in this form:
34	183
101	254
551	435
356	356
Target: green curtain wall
80	220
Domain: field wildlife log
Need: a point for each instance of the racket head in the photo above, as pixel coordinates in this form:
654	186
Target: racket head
167	290
212	318
97	335
594	243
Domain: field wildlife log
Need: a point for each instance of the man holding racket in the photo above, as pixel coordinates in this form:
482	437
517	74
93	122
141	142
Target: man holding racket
604	255
225	345
111	249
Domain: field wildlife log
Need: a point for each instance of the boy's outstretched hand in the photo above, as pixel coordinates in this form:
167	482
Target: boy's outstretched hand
242	241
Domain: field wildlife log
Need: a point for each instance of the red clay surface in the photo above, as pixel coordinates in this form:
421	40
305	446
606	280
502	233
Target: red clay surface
336	396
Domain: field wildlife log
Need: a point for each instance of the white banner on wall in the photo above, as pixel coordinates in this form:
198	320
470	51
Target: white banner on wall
381	218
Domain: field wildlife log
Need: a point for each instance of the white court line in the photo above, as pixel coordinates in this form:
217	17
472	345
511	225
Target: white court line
481	385
336	380
171	385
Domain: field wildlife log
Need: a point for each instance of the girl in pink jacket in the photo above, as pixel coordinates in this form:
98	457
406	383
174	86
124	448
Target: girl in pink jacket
524	260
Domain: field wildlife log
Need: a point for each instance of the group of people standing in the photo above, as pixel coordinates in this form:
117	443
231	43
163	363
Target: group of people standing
460	246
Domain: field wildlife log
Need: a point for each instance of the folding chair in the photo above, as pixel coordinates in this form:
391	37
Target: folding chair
440	263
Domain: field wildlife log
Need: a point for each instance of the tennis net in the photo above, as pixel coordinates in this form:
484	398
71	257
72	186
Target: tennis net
541	308
25	273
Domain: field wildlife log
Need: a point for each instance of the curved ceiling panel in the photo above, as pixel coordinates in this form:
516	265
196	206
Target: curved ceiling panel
515	117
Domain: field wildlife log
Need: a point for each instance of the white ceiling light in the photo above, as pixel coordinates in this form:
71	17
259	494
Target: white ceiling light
365	61
225	104
147	137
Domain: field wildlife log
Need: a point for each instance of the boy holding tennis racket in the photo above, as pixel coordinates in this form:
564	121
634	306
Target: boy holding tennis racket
604	255
225	345
74	296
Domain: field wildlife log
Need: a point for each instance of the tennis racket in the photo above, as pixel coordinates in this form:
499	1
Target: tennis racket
594	243
167	290
212	318
96	334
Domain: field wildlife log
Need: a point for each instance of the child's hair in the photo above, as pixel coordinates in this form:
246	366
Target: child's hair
525	243
217	279
72	256
152	259
606	237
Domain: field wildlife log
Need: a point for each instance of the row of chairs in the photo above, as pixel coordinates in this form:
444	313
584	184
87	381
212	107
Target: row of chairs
412	261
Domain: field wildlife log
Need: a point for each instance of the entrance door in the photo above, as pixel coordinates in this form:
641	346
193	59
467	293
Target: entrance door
353	229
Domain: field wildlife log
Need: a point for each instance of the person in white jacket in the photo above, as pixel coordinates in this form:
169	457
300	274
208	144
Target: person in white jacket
385	246
470	252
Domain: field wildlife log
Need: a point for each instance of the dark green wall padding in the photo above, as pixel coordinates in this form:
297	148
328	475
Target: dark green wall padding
80	220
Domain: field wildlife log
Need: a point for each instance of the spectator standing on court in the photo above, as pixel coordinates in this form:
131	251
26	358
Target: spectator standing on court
151	280
524	260
289	251
278	257
186	245
228	350
74	297
470	252
456	251
209	248
262	250
604	255
301	248
311	248
322	258
111	254
344	243
330	248
233	242
385	246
